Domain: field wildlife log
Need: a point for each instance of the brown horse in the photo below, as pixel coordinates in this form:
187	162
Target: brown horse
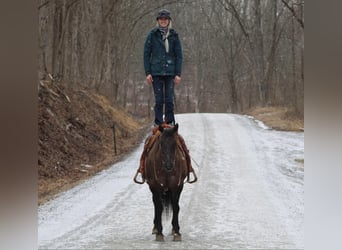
165	171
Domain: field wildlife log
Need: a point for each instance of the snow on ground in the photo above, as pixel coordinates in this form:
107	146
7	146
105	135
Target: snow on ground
250	194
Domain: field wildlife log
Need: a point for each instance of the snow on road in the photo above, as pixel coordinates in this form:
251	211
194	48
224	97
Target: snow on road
250	194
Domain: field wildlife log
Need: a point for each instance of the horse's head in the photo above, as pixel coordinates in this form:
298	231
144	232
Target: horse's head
168	144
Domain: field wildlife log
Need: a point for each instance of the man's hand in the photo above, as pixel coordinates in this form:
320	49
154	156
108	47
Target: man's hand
177	80
149	79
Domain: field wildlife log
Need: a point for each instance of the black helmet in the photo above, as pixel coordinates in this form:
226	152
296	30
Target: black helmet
164	13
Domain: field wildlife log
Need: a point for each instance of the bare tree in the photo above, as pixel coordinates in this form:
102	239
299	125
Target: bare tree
237	54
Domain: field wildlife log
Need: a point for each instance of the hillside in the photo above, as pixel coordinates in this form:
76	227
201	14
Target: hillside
75	136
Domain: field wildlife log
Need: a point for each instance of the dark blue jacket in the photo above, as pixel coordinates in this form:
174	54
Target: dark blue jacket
156	61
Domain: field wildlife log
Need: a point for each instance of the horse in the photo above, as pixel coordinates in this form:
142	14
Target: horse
165	171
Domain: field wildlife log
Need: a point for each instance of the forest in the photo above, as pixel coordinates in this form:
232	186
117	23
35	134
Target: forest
237	54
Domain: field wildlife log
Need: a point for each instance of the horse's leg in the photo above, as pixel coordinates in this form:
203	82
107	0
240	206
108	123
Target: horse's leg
158	209
175	207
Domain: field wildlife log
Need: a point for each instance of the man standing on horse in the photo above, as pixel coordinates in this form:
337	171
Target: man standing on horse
163	66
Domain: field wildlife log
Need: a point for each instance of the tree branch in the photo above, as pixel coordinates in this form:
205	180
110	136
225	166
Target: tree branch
300	21
43	4
234	12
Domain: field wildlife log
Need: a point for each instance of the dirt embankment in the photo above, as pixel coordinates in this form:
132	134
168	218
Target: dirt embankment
75	137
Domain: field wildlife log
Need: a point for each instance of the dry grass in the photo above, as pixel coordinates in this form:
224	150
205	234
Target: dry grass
279	118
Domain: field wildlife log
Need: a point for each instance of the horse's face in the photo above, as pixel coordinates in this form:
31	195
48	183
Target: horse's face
168	144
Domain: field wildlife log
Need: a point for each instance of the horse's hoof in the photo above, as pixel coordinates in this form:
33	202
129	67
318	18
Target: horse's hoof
177	237
159	237
154	231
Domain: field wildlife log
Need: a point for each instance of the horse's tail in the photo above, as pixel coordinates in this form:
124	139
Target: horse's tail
166	200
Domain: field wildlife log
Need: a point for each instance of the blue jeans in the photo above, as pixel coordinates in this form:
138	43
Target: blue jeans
163	87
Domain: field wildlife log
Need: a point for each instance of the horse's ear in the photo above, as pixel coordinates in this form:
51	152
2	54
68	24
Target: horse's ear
161	128
175	128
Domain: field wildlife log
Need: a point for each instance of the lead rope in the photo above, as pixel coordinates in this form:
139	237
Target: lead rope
194	161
